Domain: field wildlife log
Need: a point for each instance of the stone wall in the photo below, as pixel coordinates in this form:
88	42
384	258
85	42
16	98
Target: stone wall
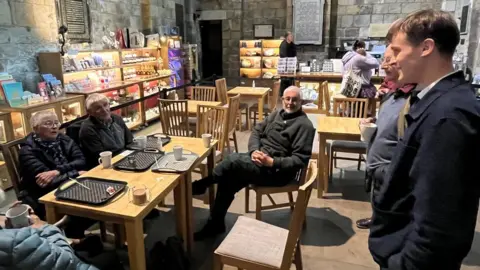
30	26
355	16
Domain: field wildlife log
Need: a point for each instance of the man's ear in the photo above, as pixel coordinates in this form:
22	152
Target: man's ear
428	45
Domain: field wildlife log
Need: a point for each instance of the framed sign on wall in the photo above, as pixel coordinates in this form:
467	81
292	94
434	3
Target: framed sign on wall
263	31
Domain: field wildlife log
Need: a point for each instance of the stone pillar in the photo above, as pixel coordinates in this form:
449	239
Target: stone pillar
289	24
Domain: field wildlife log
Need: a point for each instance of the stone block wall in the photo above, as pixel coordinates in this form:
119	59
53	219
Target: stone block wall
30	26
355	16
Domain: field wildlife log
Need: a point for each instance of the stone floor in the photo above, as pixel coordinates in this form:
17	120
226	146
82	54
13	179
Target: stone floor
331	240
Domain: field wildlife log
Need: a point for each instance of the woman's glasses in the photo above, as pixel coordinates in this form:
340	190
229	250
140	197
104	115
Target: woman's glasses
51	124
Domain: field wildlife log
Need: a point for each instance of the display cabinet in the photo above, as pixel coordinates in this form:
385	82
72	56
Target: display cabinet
259	58
6	128
20	116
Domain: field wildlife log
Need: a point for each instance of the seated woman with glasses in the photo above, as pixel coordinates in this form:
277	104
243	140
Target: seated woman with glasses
47	159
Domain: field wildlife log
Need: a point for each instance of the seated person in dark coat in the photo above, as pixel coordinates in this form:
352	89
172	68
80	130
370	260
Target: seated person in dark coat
278	149
47	159
102	131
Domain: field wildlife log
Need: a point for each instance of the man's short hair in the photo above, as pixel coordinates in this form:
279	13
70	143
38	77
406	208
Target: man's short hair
435	24
287	33
294	88
94	98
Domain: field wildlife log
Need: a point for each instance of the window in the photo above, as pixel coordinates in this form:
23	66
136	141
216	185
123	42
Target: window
75	15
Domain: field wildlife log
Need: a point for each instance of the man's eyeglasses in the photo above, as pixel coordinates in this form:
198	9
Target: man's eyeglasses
289	99
50	124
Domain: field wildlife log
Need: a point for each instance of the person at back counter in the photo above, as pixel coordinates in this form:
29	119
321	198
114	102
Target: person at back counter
287	49
102	130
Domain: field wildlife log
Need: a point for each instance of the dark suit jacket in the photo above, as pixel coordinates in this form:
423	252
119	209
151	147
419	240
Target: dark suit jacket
424	216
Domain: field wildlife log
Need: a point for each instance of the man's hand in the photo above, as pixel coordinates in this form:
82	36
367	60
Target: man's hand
45	178
365	121
262	159
36	222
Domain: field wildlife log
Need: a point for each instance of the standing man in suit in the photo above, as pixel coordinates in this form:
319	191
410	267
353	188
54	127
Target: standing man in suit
287	49
425	213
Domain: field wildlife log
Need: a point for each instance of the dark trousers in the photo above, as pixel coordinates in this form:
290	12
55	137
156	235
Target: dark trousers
107	260
235	173
285	83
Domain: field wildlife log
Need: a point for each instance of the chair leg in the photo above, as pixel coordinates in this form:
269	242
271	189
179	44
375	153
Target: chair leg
119	231
235	142
290	200
103	231
335	159
330	171
247	116
254	118
359	161
298	257
247	199
258	207
217	262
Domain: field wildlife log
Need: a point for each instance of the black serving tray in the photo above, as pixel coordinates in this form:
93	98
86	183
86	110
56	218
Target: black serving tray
144	159
96	195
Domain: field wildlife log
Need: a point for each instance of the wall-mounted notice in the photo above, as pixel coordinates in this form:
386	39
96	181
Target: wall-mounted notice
379	29
308	21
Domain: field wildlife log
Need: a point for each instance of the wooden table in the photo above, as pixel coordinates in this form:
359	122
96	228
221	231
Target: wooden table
258	92
332	128
121	211
193	104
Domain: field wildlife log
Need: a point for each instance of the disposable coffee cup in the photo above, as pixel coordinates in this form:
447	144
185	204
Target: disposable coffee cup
18	216
178	152
207	140
367	131
141	141
105	159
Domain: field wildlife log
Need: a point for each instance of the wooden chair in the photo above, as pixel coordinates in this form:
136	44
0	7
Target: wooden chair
353	108
11	152
323	101
212	120
268	108
248	243
174	117
260	191
221	85
233	107
203	93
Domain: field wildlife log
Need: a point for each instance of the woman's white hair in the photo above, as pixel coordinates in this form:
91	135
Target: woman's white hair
38	118
295	89
94	98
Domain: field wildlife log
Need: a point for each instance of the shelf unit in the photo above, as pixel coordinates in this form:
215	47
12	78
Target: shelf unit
122	86
18	126
258	57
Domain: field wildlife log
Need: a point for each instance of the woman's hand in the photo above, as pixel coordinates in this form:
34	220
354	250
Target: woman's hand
365	121
45	178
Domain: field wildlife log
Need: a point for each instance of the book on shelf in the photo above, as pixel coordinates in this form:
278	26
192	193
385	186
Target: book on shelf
14	93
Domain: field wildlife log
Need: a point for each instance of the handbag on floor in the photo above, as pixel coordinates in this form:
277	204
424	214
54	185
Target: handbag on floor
169	256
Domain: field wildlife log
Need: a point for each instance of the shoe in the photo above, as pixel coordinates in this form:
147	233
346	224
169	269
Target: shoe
200	187
210	230
364	223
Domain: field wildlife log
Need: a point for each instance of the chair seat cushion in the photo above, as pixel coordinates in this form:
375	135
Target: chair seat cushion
255	241
349	144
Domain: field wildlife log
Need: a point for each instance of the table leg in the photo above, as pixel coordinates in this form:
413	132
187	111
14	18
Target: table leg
260	109
189	211
210	165
181	211
51	213
136	245
322	185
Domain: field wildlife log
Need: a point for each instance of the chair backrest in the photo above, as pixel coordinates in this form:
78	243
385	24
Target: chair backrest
233	107
298	216
174	117
324	98
350	107
11	151
213	120
273	101
221	85
203	93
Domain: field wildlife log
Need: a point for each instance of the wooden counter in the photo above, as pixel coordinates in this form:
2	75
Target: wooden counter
325	76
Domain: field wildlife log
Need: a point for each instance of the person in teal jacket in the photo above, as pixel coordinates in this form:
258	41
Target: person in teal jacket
39	246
